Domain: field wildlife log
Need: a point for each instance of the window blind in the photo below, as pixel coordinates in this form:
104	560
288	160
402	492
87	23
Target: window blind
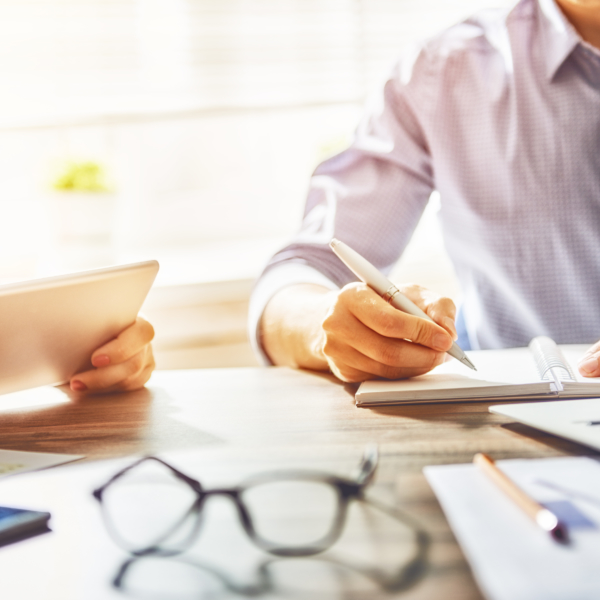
72	57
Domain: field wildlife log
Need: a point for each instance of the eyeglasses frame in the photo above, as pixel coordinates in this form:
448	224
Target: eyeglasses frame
347	489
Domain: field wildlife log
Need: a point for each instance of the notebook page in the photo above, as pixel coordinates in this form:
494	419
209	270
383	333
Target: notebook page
508	372
513	365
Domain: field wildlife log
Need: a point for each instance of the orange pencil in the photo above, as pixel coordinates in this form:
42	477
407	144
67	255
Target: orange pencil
545	518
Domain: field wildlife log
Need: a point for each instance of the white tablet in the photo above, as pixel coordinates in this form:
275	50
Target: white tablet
50	327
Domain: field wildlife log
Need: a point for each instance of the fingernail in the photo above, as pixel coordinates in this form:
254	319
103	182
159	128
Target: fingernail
78	386
449	324
589	366
102	360
440	342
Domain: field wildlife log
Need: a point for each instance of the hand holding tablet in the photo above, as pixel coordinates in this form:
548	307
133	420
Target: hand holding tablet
81	328
123	364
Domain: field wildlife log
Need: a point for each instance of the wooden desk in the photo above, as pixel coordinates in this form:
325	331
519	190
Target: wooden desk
292	413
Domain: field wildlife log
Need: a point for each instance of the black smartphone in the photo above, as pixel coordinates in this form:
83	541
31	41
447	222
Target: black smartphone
17	524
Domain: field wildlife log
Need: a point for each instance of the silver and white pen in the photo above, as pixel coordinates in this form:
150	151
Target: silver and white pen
366	272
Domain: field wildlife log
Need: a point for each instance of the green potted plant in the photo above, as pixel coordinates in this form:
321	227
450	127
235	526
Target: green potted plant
84	203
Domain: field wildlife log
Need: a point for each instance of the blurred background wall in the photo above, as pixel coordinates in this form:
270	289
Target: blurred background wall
207	118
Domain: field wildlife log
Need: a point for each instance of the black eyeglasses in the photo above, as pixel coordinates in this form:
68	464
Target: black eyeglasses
151	508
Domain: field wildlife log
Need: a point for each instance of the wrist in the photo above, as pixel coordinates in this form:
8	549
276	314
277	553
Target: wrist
291	326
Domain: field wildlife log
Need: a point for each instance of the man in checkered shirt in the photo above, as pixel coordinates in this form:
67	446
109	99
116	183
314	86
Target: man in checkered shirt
501	115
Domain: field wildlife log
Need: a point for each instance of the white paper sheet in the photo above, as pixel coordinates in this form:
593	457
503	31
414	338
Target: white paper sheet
577	420
511	557
12	461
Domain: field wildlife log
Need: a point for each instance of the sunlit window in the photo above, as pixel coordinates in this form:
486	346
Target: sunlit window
202	120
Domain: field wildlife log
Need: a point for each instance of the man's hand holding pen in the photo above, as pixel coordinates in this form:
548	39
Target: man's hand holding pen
362	331
363	337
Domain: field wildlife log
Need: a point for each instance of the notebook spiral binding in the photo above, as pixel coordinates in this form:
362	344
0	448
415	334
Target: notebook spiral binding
548	357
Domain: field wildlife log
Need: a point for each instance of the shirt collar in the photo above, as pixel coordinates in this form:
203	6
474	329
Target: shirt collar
559	37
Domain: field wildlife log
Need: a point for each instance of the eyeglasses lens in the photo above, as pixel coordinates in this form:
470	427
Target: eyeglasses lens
149	507
292	513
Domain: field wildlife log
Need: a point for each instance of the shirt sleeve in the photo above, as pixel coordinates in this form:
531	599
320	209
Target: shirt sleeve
370	196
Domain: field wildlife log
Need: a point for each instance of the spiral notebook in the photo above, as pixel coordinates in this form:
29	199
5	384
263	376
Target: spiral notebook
543	370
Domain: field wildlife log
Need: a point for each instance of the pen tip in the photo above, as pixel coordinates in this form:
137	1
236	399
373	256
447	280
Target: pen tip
559	533
333	243
468	363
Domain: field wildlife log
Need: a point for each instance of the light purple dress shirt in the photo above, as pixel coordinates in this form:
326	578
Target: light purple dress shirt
501	115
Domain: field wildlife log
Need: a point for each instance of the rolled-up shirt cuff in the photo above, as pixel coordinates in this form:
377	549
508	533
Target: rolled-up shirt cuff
273	280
